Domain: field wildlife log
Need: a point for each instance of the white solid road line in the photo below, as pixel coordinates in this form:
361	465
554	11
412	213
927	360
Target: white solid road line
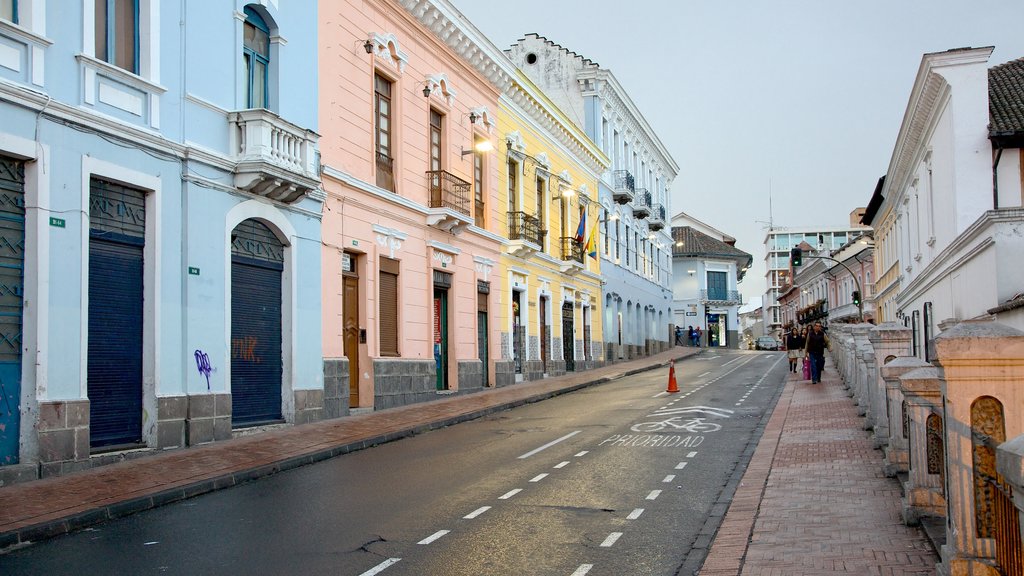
476	512
610	540
433	537
510	494
582	570
380	567
635	514
550	444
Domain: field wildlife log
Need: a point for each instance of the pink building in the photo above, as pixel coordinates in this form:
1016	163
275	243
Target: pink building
409	301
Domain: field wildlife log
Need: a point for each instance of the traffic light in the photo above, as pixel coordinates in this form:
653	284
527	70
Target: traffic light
796	257
856	297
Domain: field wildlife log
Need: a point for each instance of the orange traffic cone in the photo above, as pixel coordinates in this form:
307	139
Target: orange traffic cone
672	386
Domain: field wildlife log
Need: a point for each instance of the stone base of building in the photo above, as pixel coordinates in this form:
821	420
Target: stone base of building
400	382
896	461
504	373
952	565
336	388
209	418
533	370
921	502
471	376
556	368
309	406
63	435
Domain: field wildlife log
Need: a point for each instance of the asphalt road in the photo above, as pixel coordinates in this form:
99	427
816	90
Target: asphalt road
613	480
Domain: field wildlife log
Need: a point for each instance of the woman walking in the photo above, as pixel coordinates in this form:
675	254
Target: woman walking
795	347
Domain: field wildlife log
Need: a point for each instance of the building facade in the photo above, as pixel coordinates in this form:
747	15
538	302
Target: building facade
410	235
163	220
633	194
778	243
707	270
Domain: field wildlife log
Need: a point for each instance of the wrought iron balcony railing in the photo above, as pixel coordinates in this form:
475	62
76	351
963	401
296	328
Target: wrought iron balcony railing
721	296
657	220
448	191
622	186
572	251
642	203
523	226
385	171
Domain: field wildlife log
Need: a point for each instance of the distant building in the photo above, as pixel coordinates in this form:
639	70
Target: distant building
779	241
707	268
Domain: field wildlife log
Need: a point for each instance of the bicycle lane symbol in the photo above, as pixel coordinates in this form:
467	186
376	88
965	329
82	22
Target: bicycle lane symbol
679	419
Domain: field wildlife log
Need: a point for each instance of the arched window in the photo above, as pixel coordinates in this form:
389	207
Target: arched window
256	51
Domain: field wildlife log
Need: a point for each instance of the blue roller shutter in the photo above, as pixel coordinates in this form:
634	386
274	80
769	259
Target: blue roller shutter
12	257
117	220
256	359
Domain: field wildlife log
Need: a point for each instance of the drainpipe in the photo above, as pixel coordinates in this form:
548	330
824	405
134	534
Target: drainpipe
995	177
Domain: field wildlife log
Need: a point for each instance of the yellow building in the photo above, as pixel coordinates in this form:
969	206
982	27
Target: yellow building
550	320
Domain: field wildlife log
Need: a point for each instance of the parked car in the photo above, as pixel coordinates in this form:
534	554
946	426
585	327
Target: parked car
766	343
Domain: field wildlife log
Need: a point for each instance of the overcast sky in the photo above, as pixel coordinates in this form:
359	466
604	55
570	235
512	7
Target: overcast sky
802	97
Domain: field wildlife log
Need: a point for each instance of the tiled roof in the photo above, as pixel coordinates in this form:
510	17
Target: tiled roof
695	243
1006	98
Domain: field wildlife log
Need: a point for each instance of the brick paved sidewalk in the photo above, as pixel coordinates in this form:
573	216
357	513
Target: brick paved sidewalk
44	508
814	499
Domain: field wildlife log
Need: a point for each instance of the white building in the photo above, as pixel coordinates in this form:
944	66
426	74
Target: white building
707	269
778	243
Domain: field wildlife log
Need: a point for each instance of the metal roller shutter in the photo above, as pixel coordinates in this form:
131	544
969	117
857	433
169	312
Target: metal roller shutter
256	362
12	257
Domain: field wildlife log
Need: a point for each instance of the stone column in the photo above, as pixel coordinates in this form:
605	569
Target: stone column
983	366
897	458
923	491
860	345
889	341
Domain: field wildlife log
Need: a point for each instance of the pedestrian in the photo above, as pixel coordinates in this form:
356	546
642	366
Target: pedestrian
794	347
816	343
697	336
679	336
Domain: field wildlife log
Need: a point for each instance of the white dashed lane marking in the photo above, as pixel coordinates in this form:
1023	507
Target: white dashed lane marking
549	444
681	465
669	478
562	464
510	494
539	477
380	567
476	512
433	537
582	570
654	494
581	454
610	540
635	514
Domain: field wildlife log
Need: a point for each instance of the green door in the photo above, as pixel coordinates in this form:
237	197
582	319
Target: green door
441	337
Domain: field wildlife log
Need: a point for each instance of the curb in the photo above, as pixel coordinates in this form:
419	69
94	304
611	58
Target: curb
33	533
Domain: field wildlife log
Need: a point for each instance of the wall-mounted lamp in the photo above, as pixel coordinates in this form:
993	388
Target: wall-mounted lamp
426	91
473	117
679	244
480	146
691	272
368	46
567	192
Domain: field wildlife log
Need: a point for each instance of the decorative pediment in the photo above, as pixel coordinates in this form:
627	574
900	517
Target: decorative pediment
515	142
484	117
441	88
443	254
484	266
386	48
389	239
543	162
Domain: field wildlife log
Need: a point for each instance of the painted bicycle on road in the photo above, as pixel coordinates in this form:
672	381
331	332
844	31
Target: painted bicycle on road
692	425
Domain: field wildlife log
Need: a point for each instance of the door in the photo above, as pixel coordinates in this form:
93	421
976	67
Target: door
12	257
441	337
350	332
568	337
545	334
481	332
518	332
115	314
257	262
716	332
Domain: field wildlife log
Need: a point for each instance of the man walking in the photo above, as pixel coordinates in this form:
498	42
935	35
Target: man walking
817	342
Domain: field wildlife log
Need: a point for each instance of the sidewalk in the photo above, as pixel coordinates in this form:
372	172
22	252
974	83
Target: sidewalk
814	499
41	509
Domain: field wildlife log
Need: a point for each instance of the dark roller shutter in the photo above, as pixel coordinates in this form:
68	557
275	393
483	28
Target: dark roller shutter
388	307
115	340
12	258
256	363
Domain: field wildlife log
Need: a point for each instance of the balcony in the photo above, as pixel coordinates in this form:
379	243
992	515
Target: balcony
657	220
572	256
275	158
385	171
622	186
721	297
449	202
642	203
525	234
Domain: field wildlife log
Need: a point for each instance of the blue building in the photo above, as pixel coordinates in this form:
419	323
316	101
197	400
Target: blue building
159	226
635	245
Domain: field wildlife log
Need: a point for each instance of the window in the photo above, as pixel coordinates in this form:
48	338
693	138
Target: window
382	138
618	241
627	245
9	10
388	307
435	139
480	206
513	185
606	240
541	213
256	51
717	285
117	33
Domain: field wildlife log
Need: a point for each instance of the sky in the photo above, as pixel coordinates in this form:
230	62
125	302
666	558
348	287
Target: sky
801	100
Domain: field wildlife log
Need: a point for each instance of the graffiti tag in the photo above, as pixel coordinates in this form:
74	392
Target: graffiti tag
203	365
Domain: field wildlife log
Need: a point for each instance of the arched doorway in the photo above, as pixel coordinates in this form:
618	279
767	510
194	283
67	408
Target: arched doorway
257	262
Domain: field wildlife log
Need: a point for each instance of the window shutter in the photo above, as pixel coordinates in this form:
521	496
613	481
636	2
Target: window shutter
388	307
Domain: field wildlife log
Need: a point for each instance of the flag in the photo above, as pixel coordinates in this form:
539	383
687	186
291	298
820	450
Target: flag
591	247
581	230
